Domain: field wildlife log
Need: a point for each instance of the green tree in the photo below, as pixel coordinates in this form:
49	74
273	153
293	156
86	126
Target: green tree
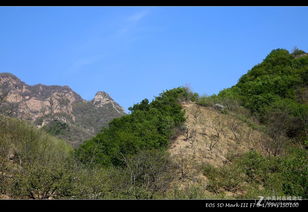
149	126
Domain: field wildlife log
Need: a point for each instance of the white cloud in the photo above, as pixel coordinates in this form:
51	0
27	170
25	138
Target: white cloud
138	16
131	21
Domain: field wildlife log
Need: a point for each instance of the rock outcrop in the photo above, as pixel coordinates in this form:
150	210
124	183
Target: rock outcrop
102	98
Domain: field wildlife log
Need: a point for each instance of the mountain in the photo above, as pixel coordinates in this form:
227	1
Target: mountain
248	141
57	109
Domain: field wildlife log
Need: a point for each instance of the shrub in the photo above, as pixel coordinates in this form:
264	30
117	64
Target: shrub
32	161
56	127
255	175
42	181
148	173
226	178
297	52
294	172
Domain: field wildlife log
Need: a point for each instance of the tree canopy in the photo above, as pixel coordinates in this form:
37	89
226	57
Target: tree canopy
149	126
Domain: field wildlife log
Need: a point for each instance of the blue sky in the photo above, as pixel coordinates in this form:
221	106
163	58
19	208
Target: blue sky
137	52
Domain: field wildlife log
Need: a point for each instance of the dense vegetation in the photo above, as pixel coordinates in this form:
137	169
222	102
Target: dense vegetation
35	165
149	126
38	166
56	127
275	92
253	174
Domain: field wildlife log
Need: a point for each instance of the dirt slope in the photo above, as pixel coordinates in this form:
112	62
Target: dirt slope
210	137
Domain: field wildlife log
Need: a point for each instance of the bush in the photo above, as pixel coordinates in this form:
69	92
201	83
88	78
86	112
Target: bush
226	178
93	183
56	127
297	52
193	192
33	162
294	172
42	181
231	104
146	174
253	174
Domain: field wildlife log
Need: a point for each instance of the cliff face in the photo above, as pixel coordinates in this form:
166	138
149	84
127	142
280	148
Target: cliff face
57	109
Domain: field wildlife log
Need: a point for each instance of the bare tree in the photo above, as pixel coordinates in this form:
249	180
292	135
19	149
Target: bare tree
234	126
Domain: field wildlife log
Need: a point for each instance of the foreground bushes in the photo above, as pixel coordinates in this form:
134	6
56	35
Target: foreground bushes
33	164
38	181
252	174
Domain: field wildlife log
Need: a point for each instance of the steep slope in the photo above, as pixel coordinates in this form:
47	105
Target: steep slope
210	137
57	109
276	91
250	139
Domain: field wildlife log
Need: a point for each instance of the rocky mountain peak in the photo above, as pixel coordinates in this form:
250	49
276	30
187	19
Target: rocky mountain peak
10	81
102	94
102	98
51	106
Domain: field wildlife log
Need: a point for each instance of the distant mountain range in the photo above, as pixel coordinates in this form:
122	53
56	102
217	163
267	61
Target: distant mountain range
57	109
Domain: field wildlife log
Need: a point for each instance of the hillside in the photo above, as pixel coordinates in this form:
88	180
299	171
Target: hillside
251	138
247	141
211	137
57	109
275	91
26	151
